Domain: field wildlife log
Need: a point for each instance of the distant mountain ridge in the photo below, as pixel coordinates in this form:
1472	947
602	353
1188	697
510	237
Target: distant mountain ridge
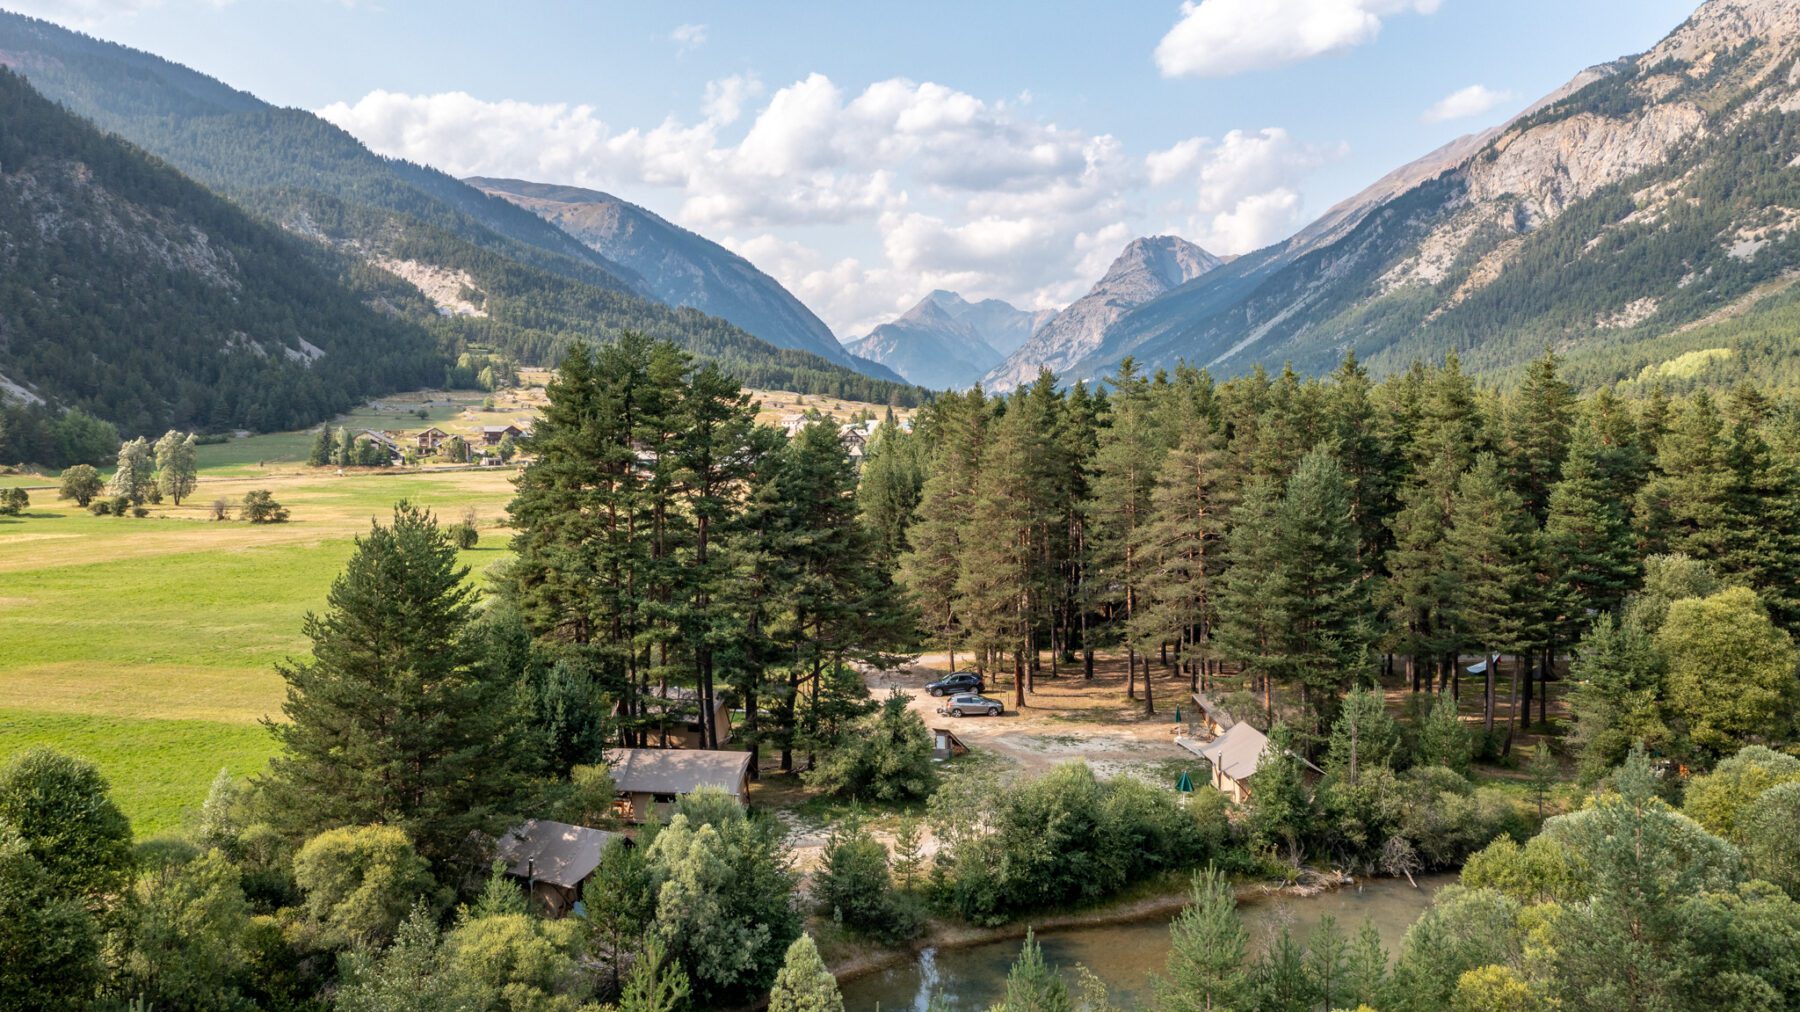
1613	220
1000	325
929	345
1146	269
675	265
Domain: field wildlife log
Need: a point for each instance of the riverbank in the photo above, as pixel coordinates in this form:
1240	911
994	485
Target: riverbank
850	960
1123	944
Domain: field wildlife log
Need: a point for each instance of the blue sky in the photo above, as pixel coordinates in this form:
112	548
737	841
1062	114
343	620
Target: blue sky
867	153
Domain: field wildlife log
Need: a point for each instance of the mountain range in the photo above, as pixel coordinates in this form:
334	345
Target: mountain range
1644	221
679	267
474	270
142	297
947	342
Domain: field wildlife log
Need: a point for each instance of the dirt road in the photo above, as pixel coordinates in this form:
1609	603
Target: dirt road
1066	718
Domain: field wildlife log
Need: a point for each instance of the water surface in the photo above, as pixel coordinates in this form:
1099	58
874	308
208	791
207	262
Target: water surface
1124	955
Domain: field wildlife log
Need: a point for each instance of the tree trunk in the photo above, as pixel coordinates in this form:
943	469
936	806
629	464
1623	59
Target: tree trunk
1149	693
1130	673
1487	702
812	721
787	719
1544	689
1512	711
1529	663
752	729
1018	679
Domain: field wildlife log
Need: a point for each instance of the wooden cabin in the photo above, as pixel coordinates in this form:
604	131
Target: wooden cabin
650	779
553	860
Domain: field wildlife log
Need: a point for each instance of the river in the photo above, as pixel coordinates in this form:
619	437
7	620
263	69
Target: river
1123	955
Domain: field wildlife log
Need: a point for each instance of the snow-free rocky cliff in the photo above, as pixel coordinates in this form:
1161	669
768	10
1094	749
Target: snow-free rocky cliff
1148	267
1611	220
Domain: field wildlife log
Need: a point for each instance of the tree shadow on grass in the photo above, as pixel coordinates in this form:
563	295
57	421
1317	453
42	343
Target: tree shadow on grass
21	518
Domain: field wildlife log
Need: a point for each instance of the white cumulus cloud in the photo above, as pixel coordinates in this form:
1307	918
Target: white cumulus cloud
1246	185
1471	101
862	201
1219	38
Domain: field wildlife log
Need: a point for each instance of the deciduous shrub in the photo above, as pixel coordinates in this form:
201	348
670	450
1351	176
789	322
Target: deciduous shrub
1064	838
260	507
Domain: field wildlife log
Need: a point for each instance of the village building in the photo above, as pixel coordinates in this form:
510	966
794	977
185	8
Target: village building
1235	757
378	436
429	440
383	440
674	716
553	860
856	441
650	779
494	435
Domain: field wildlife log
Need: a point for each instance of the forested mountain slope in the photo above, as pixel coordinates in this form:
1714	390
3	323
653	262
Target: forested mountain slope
1624	216
144	298
676	266
494	274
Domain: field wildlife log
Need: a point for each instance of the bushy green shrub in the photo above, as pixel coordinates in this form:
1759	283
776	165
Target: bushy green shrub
854	887
260	507
885	757
1068	837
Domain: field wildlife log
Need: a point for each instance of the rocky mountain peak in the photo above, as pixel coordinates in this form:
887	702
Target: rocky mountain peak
1167	260
1147	268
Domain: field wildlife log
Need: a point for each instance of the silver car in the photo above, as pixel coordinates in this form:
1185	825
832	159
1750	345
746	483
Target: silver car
970	703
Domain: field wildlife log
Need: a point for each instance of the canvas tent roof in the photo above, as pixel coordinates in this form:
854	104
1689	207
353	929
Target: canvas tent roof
1212	709
553	852
677	770
1238	752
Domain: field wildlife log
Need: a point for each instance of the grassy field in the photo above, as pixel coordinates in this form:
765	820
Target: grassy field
149	645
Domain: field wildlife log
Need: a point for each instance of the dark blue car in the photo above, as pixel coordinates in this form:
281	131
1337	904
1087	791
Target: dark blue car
961	681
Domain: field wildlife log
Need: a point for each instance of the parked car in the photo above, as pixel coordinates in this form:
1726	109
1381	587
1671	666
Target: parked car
971	703
949	685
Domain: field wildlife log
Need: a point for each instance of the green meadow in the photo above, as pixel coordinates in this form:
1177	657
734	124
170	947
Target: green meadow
149	645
